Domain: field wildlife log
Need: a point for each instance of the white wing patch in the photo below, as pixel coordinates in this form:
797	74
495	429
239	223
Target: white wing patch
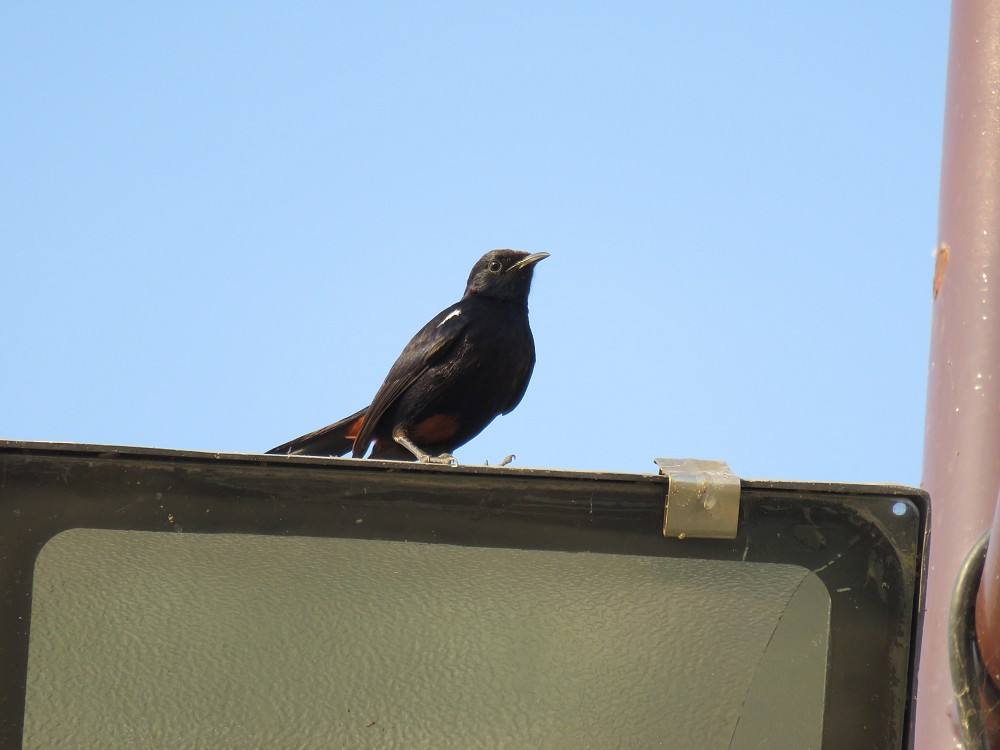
453	314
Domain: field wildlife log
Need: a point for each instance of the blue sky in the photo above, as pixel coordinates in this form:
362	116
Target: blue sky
221	222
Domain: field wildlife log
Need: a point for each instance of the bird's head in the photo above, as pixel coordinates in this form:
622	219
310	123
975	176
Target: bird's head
504	274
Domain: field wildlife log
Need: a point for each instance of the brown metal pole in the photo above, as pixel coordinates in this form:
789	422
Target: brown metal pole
988	633
988	606
962	440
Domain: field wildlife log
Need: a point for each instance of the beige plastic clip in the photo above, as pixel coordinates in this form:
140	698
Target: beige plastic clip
703	499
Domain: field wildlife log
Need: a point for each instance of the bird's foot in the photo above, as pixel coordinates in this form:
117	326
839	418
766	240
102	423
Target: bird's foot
445	459
504	462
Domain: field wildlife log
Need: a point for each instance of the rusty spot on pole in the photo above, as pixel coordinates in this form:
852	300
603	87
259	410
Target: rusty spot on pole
940	266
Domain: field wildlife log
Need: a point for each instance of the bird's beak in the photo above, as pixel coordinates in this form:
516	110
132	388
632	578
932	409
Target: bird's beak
528	262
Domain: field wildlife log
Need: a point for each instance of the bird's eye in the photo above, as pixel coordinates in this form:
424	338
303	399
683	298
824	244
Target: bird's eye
495	266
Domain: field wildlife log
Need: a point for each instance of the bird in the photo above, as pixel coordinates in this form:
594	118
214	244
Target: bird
469	364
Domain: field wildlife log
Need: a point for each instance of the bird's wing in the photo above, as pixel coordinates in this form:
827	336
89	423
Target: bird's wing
431	343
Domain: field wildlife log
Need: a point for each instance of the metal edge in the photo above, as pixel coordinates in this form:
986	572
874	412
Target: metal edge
334	463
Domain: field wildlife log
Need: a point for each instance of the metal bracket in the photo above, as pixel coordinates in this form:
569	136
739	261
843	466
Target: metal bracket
703	499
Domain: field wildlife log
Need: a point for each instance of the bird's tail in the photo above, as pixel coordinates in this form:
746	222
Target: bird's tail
333	440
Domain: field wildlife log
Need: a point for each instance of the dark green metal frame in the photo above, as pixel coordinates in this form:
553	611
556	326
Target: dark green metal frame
865	542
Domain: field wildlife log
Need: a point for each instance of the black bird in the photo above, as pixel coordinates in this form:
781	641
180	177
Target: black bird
470	363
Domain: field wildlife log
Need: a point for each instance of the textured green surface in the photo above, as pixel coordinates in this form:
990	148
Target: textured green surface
143	639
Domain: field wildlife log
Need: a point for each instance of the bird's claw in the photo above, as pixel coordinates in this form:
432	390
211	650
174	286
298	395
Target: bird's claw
445	459
504	462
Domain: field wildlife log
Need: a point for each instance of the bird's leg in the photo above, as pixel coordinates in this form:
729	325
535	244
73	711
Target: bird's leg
504	462
400	436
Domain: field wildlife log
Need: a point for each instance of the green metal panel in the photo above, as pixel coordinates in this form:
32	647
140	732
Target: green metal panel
169	599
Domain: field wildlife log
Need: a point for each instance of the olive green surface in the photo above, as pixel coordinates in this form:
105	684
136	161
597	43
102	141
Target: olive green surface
142	640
